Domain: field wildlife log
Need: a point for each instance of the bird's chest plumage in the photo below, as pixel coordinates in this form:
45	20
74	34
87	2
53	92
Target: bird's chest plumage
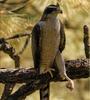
49	41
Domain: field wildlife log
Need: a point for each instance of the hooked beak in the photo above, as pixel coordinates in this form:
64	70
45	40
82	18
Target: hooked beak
59	11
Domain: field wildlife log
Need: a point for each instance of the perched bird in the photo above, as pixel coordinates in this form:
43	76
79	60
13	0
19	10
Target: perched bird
48	41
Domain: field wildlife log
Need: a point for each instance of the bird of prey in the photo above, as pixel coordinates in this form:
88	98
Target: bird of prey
48	42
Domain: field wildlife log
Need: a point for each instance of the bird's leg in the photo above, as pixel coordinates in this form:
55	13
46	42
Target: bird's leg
46	70
61	66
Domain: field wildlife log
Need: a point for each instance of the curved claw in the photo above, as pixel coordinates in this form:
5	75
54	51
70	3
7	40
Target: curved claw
49	70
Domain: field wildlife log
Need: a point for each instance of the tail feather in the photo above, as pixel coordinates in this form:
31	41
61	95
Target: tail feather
44	92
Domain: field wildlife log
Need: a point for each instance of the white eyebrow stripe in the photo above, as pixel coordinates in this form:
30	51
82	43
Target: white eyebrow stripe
52	7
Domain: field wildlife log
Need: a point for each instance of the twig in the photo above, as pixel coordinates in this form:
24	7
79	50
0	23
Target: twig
86	41
7	48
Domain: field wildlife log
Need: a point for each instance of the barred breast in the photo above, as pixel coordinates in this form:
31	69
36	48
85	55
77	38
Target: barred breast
49	42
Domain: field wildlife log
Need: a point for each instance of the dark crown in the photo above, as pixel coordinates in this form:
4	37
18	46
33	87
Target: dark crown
50	9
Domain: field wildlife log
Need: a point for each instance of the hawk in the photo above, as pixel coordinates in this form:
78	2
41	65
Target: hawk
48	42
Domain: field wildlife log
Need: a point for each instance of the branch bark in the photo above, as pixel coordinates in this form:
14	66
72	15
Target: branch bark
79	68
86	41
76	69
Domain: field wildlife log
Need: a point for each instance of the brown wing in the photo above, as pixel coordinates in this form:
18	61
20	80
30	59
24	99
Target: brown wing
35	45
62	38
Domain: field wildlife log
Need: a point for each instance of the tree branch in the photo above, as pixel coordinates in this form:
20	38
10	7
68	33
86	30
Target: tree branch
86	41
76	69
79	68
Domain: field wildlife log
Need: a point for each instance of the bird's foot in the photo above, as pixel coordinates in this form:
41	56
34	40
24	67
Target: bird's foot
48	70
70	84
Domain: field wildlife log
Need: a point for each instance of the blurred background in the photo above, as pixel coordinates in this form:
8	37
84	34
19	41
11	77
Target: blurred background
19	16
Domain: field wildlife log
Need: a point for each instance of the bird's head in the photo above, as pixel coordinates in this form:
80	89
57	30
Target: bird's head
51	10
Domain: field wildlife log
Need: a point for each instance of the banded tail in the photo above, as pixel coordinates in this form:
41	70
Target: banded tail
44	92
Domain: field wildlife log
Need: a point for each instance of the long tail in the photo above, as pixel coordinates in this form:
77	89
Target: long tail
44	92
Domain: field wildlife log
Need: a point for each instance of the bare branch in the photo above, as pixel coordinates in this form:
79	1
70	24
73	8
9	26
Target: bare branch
76	69
79	68
7	48
86	41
